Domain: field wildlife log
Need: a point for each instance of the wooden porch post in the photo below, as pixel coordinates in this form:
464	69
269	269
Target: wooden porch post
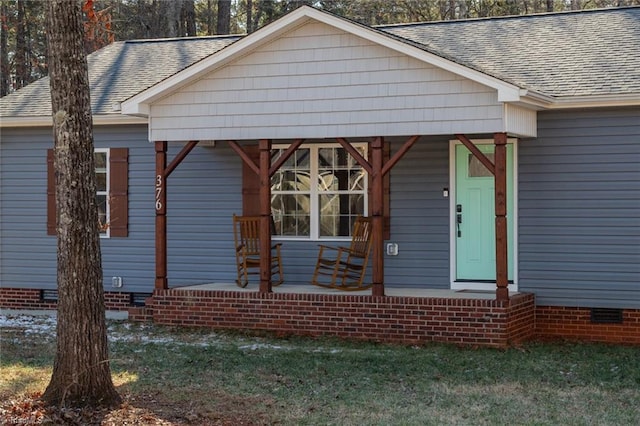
500	164
377	194
161	216
265	215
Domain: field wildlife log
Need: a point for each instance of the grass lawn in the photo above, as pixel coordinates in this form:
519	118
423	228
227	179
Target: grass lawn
196	376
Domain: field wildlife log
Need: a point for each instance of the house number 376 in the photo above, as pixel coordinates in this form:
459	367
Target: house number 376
159	185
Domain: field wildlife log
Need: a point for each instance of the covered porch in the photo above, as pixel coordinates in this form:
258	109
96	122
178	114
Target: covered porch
415	314
258	201
348	85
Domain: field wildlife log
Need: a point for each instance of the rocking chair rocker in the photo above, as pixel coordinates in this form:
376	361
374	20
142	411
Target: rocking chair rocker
346	270
246	235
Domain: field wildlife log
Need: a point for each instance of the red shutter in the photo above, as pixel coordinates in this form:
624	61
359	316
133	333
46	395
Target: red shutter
119	192
250	184
51	194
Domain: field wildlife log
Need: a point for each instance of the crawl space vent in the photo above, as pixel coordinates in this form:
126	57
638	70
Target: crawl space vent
49	295
606	316
138	299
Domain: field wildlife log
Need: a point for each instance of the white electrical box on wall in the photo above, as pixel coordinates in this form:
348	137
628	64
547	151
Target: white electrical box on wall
392	249
116	282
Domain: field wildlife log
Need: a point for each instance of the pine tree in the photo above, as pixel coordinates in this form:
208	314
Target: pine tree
81	374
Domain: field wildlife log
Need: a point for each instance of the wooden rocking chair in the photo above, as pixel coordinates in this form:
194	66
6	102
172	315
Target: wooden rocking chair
346	270
246	235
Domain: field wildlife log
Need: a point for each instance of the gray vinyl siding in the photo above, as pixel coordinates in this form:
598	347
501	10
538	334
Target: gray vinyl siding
420	217
579	213
205	191
28	254
580	209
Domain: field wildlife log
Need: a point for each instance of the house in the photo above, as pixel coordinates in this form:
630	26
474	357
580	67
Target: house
511	211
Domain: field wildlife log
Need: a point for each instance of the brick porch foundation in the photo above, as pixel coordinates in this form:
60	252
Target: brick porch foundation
405	320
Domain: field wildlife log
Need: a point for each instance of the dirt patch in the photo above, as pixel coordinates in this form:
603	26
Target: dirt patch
142	409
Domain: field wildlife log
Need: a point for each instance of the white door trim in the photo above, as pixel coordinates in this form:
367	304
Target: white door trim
466	285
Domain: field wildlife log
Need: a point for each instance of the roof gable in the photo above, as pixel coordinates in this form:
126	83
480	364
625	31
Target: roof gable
139	104
317	80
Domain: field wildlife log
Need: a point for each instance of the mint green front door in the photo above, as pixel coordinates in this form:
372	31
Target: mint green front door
474	216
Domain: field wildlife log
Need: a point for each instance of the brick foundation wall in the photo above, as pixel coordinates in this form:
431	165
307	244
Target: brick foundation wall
575	324
21	298
405	320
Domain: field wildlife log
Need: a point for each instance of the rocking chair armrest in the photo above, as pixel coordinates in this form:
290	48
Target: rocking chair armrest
339	250
276	247
239	247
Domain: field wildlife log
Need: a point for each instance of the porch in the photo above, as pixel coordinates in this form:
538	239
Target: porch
266	106
404	315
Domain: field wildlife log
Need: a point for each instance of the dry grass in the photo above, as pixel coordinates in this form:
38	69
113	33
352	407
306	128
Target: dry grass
186	376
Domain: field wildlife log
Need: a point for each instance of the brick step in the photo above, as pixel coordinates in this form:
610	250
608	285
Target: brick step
140	314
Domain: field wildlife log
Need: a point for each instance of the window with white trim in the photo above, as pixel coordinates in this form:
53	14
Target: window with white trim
318	192
112	177
101	158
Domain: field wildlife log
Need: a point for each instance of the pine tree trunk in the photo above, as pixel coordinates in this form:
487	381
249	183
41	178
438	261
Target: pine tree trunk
224	17
81	374
249	16
21	47
5	69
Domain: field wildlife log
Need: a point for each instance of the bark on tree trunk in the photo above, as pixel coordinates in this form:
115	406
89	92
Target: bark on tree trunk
224	17
249	16
21	48
4	51
189	10
81	374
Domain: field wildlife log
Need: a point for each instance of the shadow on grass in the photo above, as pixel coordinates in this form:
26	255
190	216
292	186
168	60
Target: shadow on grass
185	376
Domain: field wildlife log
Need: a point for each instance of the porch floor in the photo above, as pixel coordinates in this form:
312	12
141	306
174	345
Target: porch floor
388	291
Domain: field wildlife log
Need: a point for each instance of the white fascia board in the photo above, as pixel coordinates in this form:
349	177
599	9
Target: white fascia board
139	104
542	102
596	101
47	121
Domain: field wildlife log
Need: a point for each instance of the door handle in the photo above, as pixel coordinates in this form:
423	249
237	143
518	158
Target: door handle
459	219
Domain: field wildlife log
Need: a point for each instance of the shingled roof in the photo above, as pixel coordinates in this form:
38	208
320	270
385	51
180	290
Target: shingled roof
118	71
583	53
561	55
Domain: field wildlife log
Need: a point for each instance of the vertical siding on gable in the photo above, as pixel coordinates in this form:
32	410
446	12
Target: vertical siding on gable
580	209
520	121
